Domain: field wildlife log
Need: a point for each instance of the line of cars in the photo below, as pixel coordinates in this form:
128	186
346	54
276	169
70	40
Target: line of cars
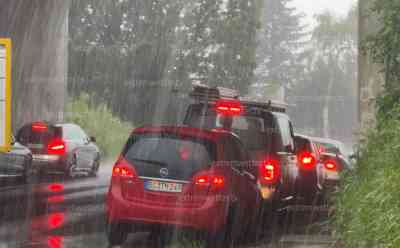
46	148
222	172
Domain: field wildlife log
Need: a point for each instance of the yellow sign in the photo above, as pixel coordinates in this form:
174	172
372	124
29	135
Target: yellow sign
5	95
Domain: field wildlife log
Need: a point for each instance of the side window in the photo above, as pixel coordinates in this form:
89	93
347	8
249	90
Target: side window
75	133
229	153
239	150
286	131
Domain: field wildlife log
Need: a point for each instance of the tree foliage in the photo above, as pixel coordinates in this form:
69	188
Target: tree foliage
327	93
128	52
385	49
281	41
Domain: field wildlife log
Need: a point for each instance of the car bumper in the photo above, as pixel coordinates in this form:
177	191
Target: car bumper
210	216
49	163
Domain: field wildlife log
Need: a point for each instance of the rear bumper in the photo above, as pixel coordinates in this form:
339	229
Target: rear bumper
210	216
49	163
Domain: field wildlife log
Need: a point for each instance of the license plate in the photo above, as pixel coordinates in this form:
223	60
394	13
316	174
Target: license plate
35	146
163	186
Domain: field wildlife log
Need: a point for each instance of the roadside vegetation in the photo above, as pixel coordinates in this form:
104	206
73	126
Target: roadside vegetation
98	121
368	209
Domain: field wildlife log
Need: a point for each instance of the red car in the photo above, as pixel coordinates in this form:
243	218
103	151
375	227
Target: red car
182	177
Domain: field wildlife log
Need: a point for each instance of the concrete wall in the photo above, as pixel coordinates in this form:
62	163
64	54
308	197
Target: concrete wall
39	30
370	80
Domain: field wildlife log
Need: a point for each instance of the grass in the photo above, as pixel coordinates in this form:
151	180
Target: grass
368	205
111	133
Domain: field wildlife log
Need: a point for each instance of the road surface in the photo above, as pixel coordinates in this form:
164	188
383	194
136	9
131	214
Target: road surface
58	213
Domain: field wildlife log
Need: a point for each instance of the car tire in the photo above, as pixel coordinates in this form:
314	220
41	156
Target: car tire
228	235
116	234
29	175
72	164
95	168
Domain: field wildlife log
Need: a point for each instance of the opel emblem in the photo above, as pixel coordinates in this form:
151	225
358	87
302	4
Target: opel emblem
164	172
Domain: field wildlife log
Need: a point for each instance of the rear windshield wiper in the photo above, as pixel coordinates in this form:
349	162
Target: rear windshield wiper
161	164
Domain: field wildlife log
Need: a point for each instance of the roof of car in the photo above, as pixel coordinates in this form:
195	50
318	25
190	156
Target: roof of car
191	131
326	140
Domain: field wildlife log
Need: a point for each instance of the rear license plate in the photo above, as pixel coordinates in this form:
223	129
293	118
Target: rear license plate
35	146
163	186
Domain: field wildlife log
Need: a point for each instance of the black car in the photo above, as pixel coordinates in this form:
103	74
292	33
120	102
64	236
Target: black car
263	127
17	163
60	148
310	163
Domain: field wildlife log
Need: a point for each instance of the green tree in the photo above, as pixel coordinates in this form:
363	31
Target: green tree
280	45
218	43
385	49
327	93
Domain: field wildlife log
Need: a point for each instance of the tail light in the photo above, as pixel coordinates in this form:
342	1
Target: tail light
307	160
269	171
331	165
123	169
230	108
208	179
56	147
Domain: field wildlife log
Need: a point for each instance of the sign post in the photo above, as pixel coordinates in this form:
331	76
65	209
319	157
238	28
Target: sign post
5	95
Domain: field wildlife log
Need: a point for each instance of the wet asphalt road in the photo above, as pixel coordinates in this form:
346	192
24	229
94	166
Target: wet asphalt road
58	213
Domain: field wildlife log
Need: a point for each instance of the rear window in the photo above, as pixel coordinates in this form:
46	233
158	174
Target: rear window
329	148
182	156
253	130
28	135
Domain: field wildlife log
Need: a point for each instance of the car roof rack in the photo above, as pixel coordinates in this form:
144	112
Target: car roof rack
273	106
206	93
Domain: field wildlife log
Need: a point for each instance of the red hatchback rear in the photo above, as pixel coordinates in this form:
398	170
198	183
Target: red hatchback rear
184	177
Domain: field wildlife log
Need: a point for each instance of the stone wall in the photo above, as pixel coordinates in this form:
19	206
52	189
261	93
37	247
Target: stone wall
39	31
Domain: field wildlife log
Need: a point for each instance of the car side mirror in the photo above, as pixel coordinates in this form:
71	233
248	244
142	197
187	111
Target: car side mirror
92	139
13	141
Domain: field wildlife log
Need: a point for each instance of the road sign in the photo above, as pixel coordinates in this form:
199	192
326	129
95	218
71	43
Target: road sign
5	95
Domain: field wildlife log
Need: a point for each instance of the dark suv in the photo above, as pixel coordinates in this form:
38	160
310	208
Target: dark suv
265	130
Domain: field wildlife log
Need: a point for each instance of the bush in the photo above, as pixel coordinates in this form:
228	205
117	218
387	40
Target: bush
368	204
110	132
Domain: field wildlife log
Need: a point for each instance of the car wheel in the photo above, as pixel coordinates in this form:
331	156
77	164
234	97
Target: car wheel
29	175
228	235
116	233
95	168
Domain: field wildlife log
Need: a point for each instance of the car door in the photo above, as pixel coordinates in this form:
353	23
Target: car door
248	179
286	152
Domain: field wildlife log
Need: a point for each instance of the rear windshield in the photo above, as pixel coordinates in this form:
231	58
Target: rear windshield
27	135
329	148
254	131
182	156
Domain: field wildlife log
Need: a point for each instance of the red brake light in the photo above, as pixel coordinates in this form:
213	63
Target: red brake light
39	127
123	169
230	108
330	165
269	171
56	147
307	160
210	180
